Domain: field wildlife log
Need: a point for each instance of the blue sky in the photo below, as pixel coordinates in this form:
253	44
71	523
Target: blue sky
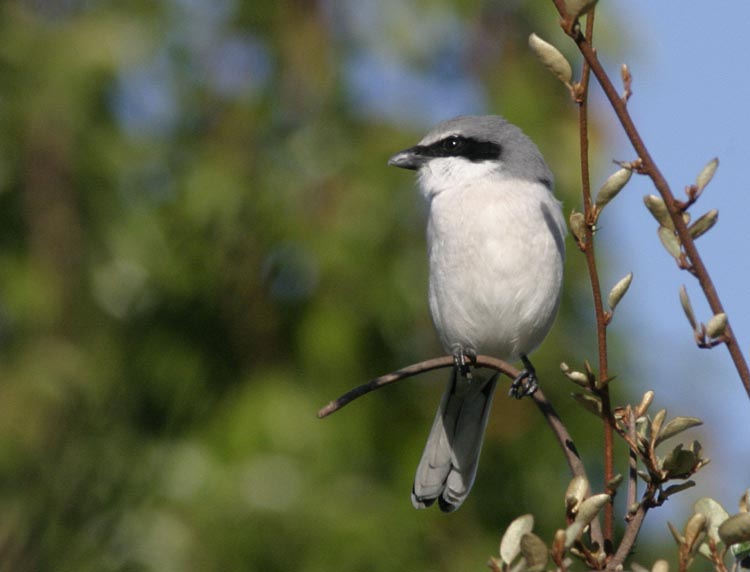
691	90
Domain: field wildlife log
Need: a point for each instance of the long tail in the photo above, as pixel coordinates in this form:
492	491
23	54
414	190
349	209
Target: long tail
449	462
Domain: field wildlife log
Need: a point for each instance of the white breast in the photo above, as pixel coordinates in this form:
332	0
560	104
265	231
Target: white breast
496	250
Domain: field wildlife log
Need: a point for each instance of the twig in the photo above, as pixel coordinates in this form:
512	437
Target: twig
628	538
545	407
649	167
589	251
403	373
632	461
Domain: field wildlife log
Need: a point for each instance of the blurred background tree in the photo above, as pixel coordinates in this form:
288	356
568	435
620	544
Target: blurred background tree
200	244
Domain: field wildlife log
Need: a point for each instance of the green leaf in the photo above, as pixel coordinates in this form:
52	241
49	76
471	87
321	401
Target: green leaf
676	426
680	463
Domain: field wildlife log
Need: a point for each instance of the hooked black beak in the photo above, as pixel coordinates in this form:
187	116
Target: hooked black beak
410	158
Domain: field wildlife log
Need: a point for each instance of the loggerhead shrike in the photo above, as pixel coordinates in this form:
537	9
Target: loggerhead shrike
495	241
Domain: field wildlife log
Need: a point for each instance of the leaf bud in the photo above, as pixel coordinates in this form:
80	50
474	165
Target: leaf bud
612	186
510	543
627	82
576	493
687	307
552	59
591	507
706	174
645	403
590	403
716	325
670	241
614	483
577	223
575	376
619	290
558	543
658	209
704	223
695	529
657	423
660	566
573	532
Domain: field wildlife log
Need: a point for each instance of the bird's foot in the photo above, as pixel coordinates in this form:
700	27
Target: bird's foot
526	382
463	359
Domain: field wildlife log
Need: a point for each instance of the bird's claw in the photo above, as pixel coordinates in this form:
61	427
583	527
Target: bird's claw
461	362
526	382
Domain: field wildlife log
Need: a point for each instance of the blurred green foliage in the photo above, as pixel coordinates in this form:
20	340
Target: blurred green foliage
200	245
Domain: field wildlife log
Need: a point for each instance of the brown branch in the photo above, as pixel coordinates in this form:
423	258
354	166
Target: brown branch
602	318
649	167
628	538
545	407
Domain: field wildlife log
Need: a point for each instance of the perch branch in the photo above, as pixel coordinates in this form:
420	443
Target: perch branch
545	407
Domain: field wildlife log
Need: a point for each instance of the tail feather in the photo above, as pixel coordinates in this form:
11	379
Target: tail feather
448	466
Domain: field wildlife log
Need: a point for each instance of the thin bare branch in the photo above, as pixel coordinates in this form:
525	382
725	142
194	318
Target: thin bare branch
393	377
588	248
648	167
628	538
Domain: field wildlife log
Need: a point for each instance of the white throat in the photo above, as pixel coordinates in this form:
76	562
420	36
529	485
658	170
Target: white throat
444	173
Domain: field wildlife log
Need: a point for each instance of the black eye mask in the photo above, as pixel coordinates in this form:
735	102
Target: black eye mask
472	149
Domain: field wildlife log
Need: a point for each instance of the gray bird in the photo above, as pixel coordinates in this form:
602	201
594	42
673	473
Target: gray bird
495	241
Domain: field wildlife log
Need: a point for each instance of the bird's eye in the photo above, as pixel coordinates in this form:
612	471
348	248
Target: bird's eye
451	144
